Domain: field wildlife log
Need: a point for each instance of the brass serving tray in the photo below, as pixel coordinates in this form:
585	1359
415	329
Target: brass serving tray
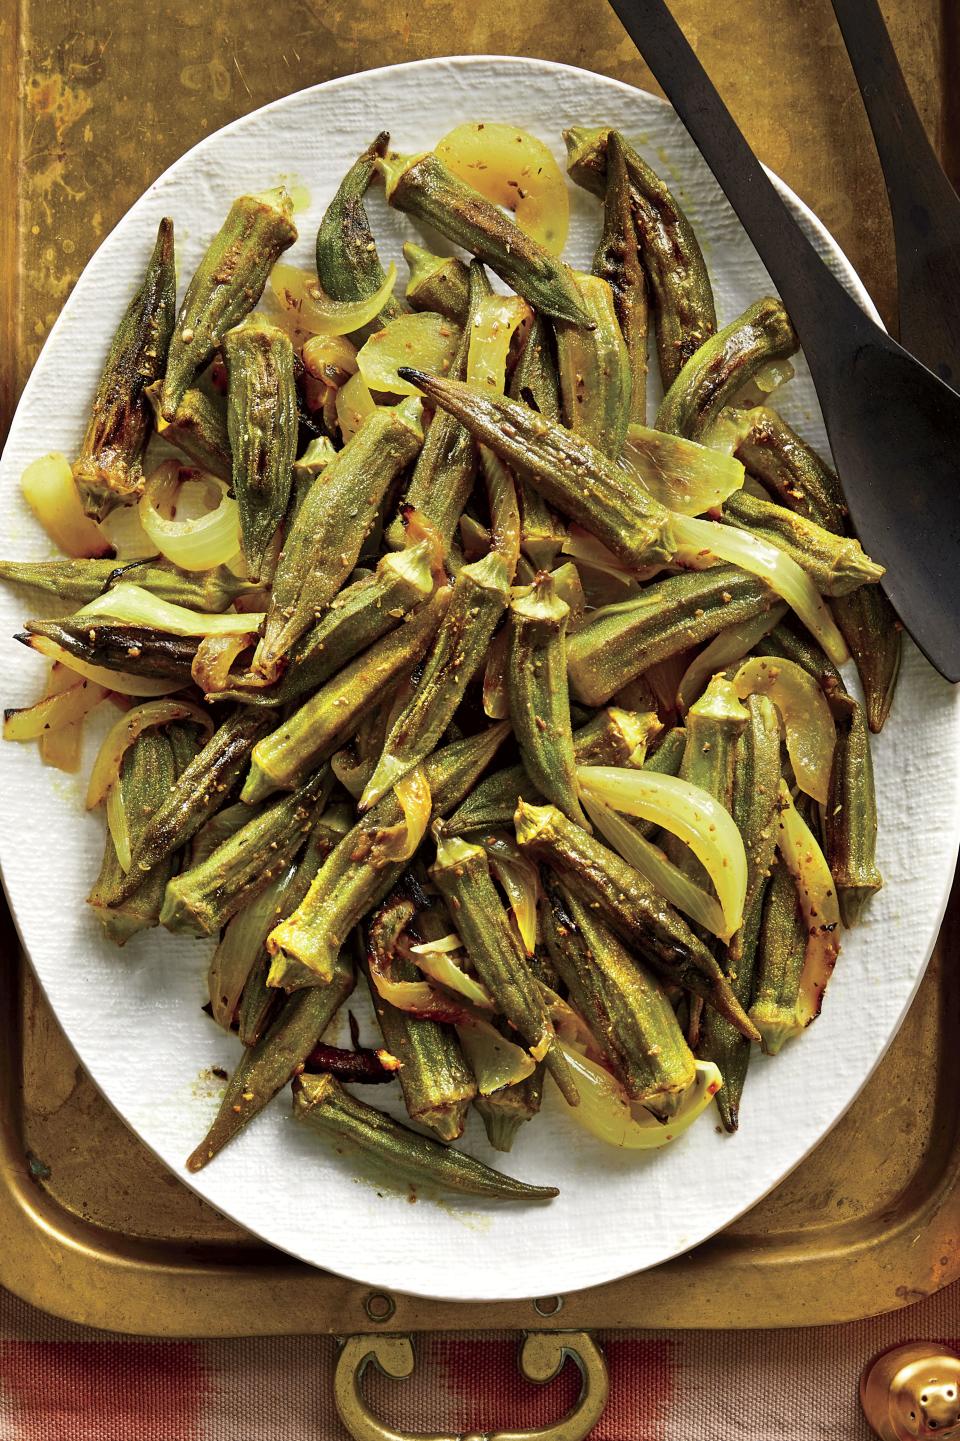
94	1228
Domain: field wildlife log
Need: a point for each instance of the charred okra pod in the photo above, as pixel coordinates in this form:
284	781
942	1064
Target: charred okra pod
565	469
723	365
504	1112
348	266
198	429
226	286
535	382
422	186
870	626
618	262
619	642
262	424
594	370
836	564
462	876
629	905
439	283
850	818
116	646
683	309
781	952
323	1104
80	581
108	469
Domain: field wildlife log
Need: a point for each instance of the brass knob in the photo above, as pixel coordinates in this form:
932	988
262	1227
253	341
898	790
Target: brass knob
913	1391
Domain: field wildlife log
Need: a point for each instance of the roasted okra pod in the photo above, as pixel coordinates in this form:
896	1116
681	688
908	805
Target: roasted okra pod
348	266
198	429
439	283
594	367
619	263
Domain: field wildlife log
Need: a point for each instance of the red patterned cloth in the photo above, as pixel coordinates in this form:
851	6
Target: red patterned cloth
60	1382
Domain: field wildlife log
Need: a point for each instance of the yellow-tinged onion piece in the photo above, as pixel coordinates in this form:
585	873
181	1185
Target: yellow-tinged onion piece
420	998
514	169
301	292
686	811
62	748
423	339
682	474
702	543
354	404
495	1062
135	605
123	733
437	960
50	491
329	358
493	327
189	517
215	655
818	904
496	701
59	708
124	530
120	681
607	1114
584	548
807	722
398	843
724	650
520	881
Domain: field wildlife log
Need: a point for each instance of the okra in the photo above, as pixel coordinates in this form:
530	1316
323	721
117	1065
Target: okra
836	564
462	876
198	429
327	536
262	424
439	283
80	581
313	462
108	470
116	646
619	642
282	759
714	724
535	382
436	1082
538	694
202	899
422	186
780	957
682	297
361	869
629	905
850	818
564	468
618	262
594	370
226	286
266	1068
479	598
348	266
324	1104
873	631
504	1112
723	365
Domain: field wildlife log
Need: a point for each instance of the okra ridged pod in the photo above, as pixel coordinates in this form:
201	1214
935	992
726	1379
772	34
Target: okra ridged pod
461	874
625	1007
202	899
836	564
479	598
873	631
629	905
262	425
324	1104
282	759
80	581
266	1068
594	369
198	429
361	871
564	468
618	262
108	470
422	186
714	724
348	266
619	642
326	538
226	286
535	382
116	646
439	283
436	1082
723	365
504	1112
683	308
781	951
538	695
850	818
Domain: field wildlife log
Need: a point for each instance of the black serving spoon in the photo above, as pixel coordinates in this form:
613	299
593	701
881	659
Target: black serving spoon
894	427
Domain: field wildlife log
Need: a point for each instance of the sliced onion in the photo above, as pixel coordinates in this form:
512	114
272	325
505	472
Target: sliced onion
701	543
441	966
424	340
442	946
57	709
651	863
569	587
134	605
521	883
301	292
686	811
807	721
215	655
62	748
398	843
818	902
586	549
732	426
607	1114
50	491
125	532
419	998
119	827
724	650
683	475
514	169
189	517
495	1062
354	404
493	326
330	358
123	733
120	681
496	702
663	678
568	1024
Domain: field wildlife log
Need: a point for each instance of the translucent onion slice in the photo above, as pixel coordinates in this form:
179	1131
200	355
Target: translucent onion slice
419	998
330	358
441	965
497	318
724	650
514	169
123	733
424	340
495	1062
587	550
569	1024
62	748
686	811
214	658
189	517
701	543
354	404
807	721
520	882
301	292
134	605
51	493
398	843
57	709
607	1114
818	902
118	827
120	682
657	868
442	946
663	678
683	475
124	531
732	426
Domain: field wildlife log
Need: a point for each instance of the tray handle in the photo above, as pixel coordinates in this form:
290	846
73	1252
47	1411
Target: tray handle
913	1391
